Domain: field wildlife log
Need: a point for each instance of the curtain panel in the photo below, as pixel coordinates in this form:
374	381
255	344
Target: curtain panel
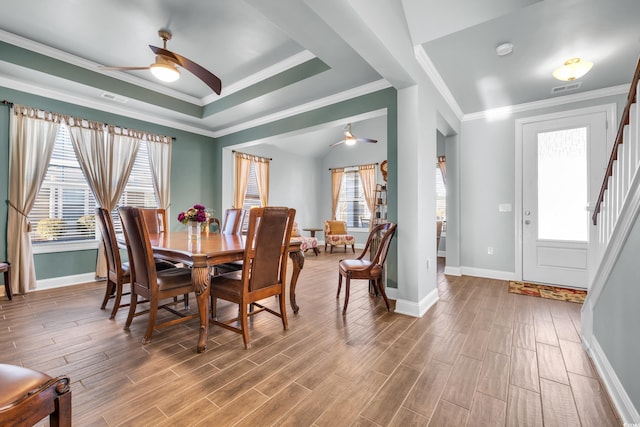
31	141
262	176
368	180
336	183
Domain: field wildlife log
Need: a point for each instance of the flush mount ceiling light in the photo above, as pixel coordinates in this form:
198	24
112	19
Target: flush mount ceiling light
164	70
572	69
504	49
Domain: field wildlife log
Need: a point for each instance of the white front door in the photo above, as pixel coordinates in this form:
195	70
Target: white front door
562	165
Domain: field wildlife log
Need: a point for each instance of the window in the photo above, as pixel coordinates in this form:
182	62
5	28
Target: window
64	209
352	206
251	197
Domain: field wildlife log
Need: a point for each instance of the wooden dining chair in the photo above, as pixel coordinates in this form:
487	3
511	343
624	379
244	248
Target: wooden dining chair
233	220
371	270
264	270
146	281
5	268
118	273
156	219
27	396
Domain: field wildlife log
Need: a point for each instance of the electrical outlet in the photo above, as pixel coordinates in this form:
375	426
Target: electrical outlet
490	250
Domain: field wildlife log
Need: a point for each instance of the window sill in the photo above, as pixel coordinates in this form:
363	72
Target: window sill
48	248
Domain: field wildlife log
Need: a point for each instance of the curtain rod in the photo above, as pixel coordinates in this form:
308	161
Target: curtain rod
354	166
10	104
252	155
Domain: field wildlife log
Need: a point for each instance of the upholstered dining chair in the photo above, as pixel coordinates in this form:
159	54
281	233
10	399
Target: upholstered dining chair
233	220
335	234
146	281
156	219
27	396
118	273
371	270
5	268
264	270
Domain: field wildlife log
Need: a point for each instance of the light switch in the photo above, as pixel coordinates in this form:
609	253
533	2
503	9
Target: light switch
504	207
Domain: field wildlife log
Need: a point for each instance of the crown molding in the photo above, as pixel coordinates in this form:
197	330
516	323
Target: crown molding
323	102
97	104
545	103
428	67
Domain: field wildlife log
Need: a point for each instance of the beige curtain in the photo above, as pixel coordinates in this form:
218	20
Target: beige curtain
31	141
442	164
106	164
160	161
243	165
336	183
262	176
368	179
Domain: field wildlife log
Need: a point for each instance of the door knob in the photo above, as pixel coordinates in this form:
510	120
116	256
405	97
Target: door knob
527	222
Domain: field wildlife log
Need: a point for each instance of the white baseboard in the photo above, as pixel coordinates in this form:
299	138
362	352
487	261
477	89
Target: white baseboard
418	309
489	274
59	282
619	396
452	271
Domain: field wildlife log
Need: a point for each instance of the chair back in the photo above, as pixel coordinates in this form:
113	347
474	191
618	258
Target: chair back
335	227
156	219
267	245
389	230
143	267
233	219
105	224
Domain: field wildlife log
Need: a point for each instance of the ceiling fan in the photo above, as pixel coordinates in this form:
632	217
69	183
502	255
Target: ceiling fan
165	67
351	139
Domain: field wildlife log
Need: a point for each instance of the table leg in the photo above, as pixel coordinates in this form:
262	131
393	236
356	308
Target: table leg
298	262
200	279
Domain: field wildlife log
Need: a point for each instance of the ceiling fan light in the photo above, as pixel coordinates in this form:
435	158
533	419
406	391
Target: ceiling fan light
572	69
165	72
350	140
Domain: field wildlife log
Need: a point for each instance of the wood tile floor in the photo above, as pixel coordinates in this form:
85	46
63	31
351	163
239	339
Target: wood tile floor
479	357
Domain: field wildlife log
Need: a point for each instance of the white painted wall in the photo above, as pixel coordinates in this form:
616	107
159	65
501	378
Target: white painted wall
487	177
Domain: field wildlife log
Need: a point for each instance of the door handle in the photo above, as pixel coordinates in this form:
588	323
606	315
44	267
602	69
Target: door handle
527	222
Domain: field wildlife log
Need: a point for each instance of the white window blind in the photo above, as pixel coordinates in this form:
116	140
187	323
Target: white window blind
251	197
64	209
352	206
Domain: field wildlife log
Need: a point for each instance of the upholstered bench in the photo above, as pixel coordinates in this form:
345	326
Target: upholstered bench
335	234
28	396
306	243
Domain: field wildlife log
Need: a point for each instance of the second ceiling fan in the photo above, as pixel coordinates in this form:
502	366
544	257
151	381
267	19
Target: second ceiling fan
165	67
351	139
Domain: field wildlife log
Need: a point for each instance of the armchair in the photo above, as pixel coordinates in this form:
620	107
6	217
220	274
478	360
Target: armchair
305	242
335	234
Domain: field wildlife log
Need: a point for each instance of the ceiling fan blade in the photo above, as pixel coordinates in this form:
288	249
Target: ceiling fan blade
361	139
123	68
336	143
200	72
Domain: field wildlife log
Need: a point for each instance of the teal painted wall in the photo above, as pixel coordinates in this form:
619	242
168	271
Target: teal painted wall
192	172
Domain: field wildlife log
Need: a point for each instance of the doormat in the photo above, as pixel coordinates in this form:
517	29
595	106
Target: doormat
546	291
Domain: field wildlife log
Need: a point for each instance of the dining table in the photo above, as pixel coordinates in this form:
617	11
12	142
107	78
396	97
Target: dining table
207	251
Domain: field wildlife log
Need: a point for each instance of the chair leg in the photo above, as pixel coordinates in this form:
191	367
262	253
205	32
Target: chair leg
132	309
283	310
353	248
331	249
316	251
214	307
186	301
380	287
107	293
339	285
116	303
153	314
244	325
7	283
347	287
61	417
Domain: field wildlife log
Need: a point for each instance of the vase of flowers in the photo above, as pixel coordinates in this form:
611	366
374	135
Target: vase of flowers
193	217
